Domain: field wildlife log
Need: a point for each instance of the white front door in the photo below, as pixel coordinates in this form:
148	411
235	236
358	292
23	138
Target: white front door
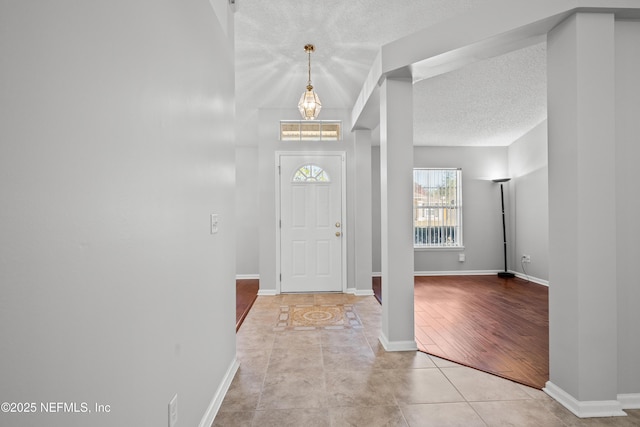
311	228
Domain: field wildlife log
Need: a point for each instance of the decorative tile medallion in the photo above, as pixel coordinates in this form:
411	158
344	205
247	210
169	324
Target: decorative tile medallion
310	317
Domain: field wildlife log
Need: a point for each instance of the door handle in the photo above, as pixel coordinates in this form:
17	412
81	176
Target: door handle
338	233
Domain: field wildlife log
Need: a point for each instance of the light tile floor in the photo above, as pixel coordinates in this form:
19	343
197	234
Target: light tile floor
345	378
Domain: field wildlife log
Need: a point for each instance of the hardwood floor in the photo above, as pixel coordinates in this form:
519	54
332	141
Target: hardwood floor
246	294
496	325
377	287
500	326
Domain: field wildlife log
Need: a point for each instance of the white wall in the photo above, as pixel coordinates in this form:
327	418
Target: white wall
117	144
376	241
482	220
248	207
248	211
628	203
529	232
362	213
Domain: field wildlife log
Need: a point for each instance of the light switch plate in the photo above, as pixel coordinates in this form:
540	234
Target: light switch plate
214	223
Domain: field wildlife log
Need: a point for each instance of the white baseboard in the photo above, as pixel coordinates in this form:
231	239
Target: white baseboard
531	278
456	273
397	345
629	401
267	292
584	409
360	292
216	402
247	276
447	273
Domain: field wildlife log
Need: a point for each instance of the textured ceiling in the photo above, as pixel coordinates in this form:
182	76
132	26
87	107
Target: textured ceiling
488	103
493	102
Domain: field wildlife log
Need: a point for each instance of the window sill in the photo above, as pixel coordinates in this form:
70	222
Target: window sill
438	248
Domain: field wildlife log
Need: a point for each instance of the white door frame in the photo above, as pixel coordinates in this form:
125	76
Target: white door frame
343	156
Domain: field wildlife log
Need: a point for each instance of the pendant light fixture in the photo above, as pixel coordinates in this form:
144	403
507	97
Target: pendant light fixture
309	104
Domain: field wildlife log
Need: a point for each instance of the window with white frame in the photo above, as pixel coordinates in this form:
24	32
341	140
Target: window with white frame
437	208
310	130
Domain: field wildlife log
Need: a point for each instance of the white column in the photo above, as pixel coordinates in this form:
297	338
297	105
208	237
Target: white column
582	241
396	182
628	206
363	241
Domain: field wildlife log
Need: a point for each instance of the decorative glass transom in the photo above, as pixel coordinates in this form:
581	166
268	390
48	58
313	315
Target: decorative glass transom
310	173
310	130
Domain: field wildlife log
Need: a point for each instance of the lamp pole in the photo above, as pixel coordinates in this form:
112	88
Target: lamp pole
504	274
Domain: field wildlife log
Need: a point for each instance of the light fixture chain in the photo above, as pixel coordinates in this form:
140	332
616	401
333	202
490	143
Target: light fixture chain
309	53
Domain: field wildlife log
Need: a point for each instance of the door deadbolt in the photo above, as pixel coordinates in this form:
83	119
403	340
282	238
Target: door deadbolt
338	224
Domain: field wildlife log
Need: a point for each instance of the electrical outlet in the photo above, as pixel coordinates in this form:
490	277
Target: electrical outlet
461	257
173	411
526	258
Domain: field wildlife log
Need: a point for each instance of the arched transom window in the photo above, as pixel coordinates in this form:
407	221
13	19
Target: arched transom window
310	173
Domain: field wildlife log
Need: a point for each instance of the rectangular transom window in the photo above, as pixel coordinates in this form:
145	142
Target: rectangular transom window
310	130
437	208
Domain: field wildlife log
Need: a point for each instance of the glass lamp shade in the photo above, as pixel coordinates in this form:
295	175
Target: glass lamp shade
309	104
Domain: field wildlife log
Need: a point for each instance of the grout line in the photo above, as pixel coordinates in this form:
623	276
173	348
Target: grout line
458	390
264	376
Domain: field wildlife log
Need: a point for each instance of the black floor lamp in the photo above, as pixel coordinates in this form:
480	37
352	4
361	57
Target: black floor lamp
504	274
